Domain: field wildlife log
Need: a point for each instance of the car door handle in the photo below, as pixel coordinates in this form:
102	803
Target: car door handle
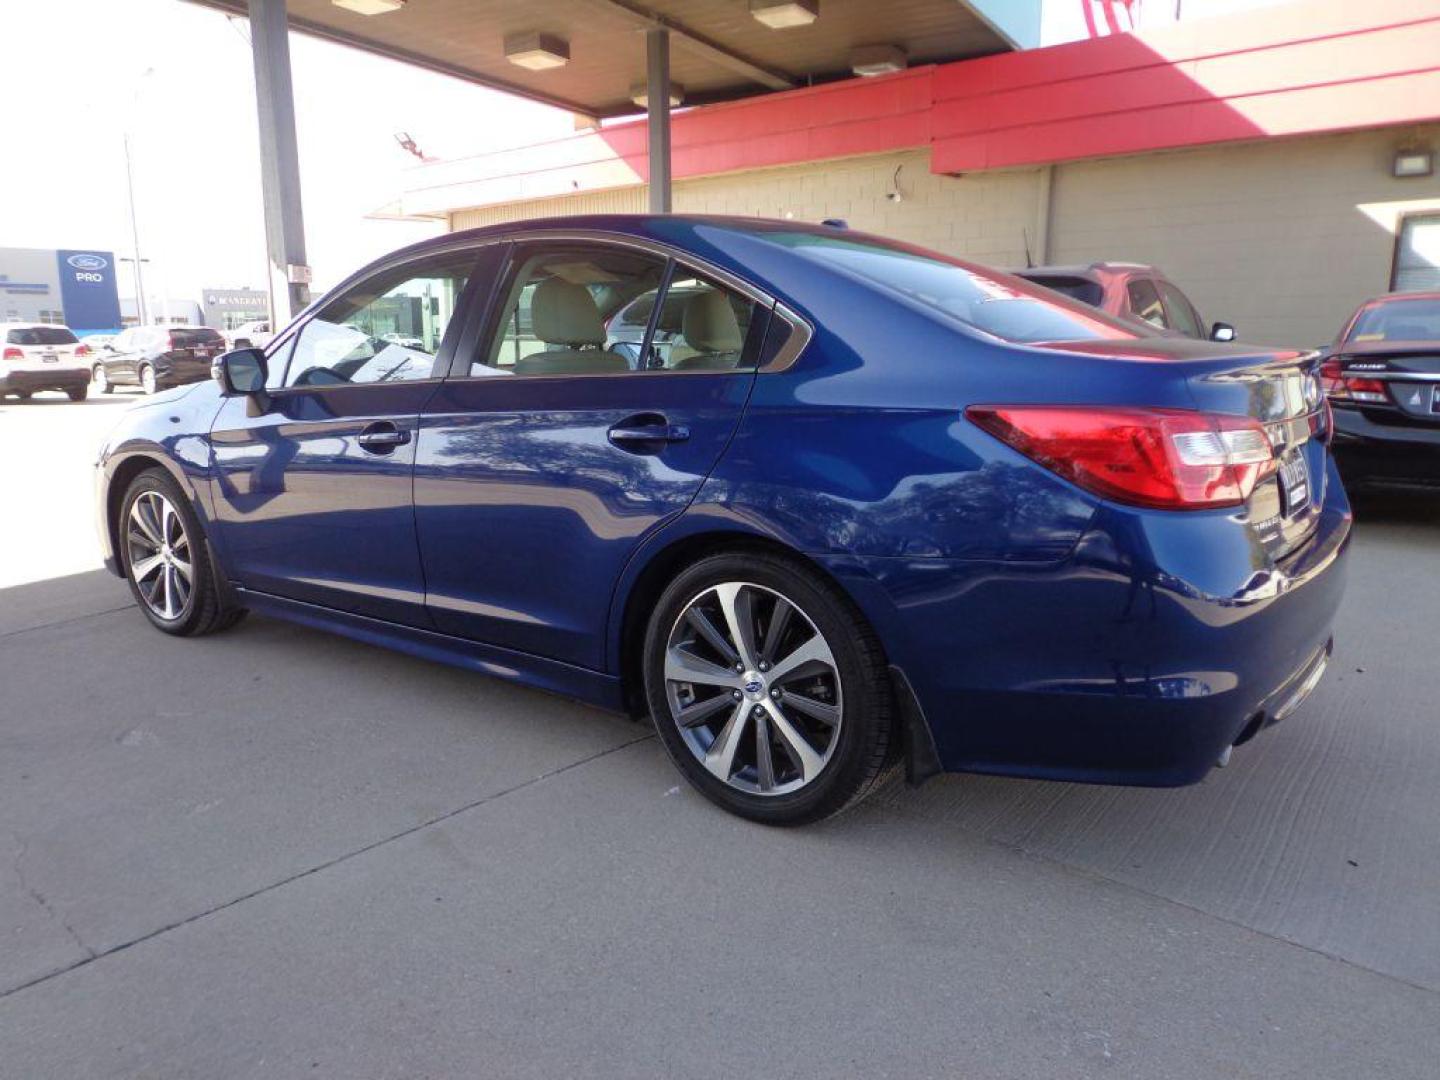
382	437
643	432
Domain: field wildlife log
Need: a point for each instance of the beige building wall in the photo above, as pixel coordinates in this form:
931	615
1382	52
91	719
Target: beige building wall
1281	238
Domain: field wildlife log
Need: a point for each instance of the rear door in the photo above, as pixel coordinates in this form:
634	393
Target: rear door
547	458
313	495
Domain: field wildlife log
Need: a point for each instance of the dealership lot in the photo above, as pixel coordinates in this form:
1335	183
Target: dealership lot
276	852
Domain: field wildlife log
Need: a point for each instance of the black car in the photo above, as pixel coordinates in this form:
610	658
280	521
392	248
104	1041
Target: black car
156	357
1382	376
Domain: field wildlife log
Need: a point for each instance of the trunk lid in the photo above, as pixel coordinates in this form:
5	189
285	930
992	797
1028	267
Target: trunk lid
1410	372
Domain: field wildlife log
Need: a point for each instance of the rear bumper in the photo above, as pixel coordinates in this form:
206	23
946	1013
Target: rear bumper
1368	452
25	381
1128	663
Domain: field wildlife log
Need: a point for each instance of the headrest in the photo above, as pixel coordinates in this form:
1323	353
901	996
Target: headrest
563	313
570	362
709	323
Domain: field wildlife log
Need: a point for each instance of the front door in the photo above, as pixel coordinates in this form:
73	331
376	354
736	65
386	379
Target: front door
562	442
313	495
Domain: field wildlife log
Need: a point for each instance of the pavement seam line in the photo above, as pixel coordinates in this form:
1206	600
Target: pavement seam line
39	897
1098	876
410	831
64	622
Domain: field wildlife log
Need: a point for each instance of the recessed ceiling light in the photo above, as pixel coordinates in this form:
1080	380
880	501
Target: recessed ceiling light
877	59
369	7
640	94
536	51
785	14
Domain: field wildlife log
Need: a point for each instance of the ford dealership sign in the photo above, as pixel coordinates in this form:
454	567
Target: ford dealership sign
86	261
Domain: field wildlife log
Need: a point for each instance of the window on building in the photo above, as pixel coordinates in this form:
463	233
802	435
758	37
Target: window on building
1417	254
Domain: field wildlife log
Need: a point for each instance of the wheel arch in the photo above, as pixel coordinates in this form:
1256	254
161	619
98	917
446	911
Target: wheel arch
121	472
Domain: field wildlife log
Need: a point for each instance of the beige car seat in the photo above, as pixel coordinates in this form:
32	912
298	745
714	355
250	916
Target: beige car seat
563	313
711	332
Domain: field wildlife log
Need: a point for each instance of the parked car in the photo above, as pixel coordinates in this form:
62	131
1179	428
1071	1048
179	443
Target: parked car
250	335
1382	375
42	356
904	509
1130	291
156	357
95	342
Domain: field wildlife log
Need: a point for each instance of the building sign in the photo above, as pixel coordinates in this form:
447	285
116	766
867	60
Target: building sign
225	308
87	290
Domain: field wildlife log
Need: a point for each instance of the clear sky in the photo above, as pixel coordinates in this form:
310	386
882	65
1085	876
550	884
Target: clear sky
72	81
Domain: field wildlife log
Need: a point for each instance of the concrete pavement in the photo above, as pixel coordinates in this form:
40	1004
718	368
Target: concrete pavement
279	853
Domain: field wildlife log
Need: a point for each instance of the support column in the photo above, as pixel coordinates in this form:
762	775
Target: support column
657	67
279	160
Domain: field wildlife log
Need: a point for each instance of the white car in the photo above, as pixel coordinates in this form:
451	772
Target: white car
250	335
42	356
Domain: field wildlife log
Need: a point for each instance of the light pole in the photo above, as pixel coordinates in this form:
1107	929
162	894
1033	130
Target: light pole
140	312
136	284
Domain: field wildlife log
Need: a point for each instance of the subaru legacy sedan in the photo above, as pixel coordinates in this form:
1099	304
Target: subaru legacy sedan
871	507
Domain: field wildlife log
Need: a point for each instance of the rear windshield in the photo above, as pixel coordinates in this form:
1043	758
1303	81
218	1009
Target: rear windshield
1077	288
184	339
1000	304
1398	320
40	335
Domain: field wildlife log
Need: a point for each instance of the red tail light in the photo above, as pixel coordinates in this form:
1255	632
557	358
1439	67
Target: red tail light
82	350
14	354
1342	387
1169	459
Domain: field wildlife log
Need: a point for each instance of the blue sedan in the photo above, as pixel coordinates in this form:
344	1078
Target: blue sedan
856	507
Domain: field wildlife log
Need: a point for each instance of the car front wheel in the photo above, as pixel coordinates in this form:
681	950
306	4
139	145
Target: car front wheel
147	378
166	563
769	690
101	380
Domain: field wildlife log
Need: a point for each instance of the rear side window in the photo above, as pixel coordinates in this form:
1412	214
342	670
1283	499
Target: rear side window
1005	306
40	335
1145	302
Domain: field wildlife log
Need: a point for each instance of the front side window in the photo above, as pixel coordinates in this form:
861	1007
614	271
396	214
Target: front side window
1181	311
1145	302
386	329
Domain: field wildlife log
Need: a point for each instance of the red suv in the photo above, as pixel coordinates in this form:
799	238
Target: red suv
1131	291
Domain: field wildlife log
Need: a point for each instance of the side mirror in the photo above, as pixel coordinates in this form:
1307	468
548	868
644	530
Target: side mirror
1222	331
241	373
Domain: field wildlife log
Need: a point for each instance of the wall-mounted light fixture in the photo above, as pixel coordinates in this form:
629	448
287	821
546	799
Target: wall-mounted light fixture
867	60
785	14
1413	162
369	7
535	51
640	94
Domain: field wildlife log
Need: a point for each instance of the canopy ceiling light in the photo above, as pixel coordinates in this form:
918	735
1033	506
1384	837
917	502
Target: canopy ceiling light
640	94
369	7
869	60
1414	161
785	14
536	51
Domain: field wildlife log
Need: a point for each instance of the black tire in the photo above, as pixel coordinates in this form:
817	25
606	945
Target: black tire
78	393
23	395
204	611
101	380
141	375
861	756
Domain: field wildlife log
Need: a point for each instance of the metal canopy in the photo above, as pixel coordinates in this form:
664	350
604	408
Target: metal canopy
718	50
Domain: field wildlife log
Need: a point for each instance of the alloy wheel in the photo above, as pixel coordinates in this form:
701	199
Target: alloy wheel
147	379
161	563
98	377
753	688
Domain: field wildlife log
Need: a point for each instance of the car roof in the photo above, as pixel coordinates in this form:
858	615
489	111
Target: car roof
1087	269
32	326
1390	298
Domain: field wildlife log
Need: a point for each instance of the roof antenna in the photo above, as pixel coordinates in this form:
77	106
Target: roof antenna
1025	235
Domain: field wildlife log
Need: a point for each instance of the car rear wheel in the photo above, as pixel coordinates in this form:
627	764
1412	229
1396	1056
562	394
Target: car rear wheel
769	690
147	378
166	562
100	379
78	393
